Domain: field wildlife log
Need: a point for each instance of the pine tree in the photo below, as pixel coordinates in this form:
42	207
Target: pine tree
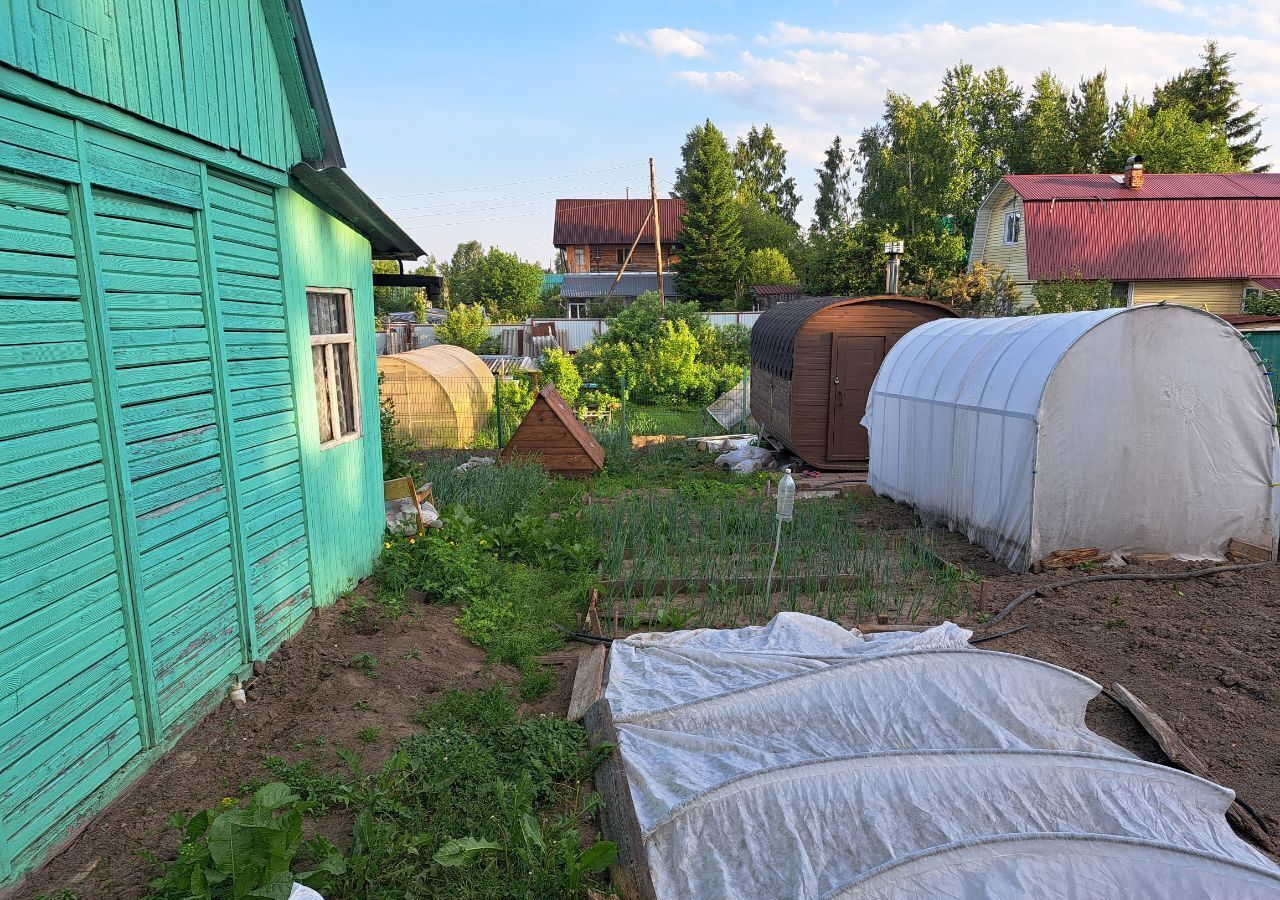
1041	145
711	255
1212	97
834	205
760	164
1089	120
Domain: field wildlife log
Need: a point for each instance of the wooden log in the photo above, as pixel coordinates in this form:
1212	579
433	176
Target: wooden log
588	681
1183	757
1065	559
618	821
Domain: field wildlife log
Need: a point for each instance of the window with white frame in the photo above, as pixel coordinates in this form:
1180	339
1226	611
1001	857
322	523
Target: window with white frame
579	257
577	309
1012	227
333	362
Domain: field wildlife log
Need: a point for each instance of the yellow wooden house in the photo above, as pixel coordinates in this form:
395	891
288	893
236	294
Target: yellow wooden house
1199	240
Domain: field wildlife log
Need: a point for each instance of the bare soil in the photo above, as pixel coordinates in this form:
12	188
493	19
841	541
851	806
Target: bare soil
1203	653
308	701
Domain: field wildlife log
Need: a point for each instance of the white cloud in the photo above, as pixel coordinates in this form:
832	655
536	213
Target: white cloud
811	82
682	42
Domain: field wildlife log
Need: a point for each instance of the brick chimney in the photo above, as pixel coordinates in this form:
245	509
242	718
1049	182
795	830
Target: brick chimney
1133	173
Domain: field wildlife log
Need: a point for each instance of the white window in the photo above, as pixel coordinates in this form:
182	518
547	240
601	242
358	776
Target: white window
579	257
1012	227
333	362
577	310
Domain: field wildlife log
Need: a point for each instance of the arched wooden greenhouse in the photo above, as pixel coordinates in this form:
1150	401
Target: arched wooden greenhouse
443	395
812	364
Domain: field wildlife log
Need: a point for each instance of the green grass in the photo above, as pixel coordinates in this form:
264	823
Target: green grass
670	420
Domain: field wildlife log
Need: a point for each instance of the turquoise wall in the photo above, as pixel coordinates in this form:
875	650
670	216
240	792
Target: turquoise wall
345	518
166	514
207	68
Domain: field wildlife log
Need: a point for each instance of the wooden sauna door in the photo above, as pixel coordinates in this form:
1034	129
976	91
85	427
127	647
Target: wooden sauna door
855	360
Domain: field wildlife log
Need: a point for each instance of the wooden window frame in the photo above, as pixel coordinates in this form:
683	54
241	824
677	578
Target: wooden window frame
1016	217
328	342
580	256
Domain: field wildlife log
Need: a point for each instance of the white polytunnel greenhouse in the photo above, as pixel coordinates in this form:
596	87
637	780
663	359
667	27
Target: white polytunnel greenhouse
802	760
1148	429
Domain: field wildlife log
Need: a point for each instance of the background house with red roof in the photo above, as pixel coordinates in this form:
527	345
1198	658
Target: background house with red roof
595	235
1198	240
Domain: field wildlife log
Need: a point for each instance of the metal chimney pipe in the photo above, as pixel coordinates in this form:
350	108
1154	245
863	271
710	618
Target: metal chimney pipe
892	267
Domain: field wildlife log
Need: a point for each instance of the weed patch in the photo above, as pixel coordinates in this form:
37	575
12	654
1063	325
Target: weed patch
474	807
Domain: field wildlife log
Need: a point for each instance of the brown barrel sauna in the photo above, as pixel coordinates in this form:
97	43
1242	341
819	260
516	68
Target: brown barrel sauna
812	364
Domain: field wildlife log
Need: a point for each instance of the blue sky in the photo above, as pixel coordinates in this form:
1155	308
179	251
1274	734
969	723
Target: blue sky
466	120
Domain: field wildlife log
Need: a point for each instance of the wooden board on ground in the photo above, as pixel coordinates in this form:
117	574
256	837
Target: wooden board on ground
1243	552
1185	758
618	821
1065	559
588	681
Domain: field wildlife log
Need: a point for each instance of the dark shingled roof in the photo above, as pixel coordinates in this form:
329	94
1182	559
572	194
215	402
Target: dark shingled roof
773	336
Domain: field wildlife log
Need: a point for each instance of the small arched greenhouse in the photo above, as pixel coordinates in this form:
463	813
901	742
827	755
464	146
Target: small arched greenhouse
1148	429
443	395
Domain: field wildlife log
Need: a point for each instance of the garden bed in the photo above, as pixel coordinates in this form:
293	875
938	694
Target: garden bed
674	543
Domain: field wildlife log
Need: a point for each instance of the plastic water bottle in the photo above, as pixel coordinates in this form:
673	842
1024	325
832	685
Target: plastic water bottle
786	496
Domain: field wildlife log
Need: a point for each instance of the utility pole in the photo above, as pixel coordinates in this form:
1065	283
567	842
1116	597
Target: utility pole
657	232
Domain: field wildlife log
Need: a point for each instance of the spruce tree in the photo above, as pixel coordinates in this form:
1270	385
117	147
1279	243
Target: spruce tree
760	163
1042	145
1089	118
834	204
711	255
1212	97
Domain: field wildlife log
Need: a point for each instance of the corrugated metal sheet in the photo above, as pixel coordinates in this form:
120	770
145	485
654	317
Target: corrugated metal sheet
1267	284
1160	239
1254	185
602	221
632	284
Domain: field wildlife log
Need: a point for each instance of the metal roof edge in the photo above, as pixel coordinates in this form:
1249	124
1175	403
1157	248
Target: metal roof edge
332	189
296	56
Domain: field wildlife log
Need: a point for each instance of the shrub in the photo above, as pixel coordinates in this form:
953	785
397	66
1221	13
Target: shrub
1074	294
559	369
465	327
665	356
396	448
1266	303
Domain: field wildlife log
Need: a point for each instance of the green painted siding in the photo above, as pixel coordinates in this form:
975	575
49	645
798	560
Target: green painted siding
206	68
1267	343
345	518
256	348
68	678
166	514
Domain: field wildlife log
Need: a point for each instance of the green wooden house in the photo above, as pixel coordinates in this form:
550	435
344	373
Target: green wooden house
189	446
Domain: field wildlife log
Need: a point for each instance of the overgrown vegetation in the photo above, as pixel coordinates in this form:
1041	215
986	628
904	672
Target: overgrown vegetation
396	462
1074	294
481	804
246	850
1263	303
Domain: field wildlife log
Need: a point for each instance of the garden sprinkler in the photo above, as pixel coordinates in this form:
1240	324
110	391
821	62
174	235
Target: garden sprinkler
786	503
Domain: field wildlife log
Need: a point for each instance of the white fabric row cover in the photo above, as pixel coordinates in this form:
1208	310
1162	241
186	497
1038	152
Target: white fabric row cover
1140	429
799	759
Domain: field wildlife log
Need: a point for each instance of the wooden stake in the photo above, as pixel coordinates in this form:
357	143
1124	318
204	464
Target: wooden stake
626	262
657	232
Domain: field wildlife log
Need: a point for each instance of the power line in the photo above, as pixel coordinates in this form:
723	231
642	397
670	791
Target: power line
481	209
496	199
505	218
486	187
